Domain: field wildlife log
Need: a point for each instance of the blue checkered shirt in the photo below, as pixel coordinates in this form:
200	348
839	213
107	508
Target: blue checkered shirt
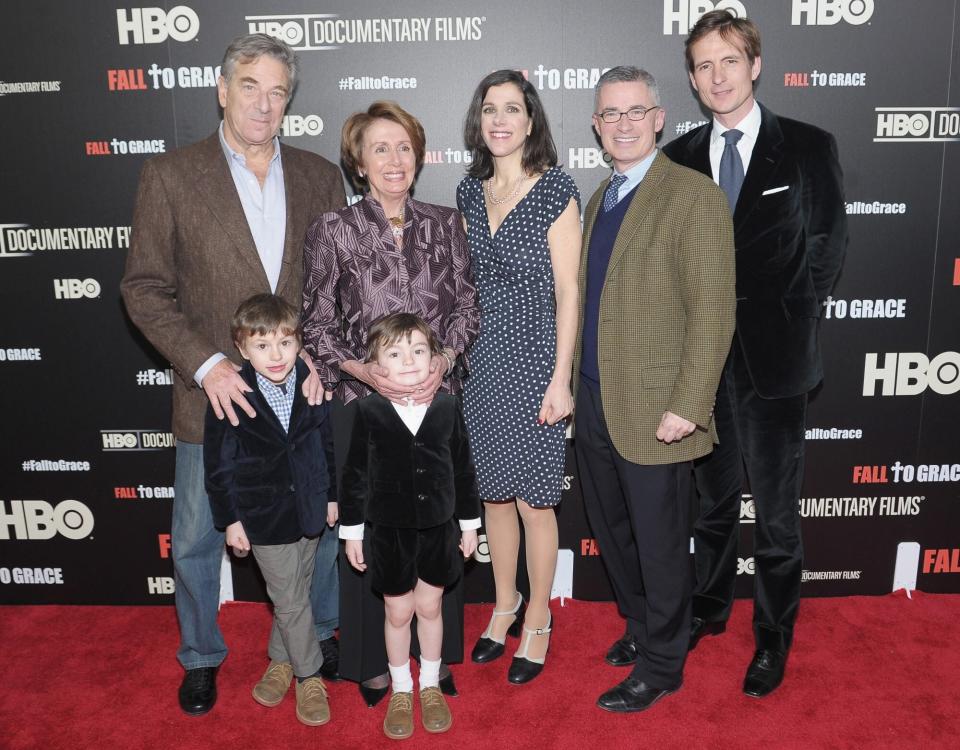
280	397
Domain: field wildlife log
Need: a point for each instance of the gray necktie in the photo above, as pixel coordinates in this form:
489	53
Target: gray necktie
731	168
611	195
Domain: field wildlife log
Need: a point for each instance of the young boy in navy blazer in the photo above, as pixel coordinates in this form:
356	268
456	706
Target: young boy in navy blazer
269	481
410	476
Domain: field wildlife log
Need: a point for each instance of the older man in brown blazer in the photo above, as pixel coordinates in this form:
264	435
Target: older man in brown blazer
657	280
214	224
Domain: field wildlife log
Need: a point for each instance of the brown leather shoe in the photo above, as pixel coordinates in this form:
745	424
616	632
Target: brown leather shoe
398	723
312	706
274	684
434	711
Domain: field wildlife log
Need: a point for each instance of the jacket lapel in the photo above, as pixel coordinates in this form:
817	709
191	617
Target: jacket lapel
698	151
215	184
767	153
297	191
646	193
259	402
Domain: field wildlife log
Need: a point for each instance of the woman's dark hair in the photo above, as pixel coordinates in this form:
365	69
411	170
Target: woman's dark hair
539	151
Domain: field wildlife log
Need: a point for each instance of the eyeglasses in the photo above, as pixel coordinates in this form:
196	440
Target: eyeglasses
610	116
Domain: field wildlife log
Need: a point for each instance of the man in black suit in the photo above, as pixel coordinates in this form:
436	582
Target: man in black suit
785	189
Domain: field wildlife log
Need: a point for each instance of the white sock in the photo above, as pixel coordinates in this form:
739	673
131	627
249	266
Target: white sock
400	678
429	673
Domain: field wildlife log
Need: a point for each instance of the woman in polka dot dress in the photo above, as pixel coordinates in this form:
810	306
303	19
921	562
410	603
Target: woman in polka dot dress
523	225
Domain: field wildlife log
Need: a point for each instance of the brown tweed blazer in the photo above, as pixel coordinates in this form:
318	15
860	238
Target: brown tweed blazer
666	311
192	258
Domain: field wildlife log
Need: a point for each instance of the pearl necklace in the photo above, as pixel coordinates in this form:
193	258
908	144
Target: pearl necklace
497	201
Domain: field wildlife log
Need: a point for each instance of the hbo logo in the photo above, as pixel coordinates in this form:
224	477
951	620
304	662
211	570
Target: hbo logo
290	32
37	519
154	25
119	440
831	12
688	12
301	125
76	288
745	566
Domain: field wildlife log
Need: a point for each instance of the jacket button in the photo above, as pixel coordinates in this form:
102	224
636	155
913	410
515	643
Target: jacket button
417	444
292	488
421	497
293	446
421	470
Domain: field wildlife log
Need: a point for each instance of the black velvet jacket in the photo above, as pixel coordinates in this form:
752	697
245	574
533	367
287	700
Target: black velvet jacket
395	478
790	229
276	483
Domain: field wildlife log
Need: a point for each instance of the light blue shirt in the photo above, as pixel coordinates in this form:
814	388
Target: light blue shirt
635	175
266	212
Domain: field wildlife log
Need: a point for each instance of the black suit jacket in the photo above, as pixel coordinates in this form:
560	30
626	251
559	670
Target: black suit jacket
395	478
790	245
277	483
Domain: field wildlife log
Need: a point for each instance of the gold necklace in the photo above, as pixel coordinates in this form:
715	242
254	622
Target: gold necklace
396	226
497	201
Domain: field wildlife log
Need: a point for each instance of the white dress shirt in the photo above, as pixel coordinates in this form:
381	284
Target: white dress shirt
749	126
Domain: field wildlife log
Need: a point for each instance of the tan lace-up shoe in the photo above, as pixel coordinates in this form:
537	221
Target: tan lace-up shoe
312	706
274	684
434	711
398	723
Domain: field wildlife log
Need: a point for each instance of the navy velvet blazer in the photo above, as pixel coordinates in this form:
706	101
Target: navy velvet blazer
790	231
395	478
276	483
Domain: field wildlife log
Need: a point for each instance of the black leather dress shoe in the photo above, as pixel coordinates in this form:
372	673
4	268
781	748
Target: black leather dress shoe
765	673
632	695
198	691
623	652
486	649
373	695
447	686
700	627
330	669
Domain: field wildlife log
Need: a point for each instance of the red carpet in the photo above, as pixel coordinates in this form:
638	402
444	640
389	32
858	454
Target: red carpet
878	672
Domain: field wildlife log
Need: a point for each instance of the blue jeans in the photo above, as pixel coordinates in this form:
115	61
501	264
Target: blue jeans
197	549
325	588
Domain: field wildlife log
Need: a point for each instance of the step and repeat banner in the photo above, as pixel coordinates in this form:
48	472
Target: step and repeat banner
89	91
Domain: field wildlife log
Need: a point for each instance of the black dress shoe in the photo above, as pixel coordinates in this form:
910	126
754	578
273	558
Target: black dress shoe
632	695
765	673
522	668
198	691
623	652
373	695
700	627
330	669
486	649
447	686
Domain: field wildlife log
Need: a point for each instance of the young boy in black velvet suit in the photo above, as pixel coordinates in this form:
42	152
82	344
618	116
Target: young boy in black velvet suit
410	476
269	480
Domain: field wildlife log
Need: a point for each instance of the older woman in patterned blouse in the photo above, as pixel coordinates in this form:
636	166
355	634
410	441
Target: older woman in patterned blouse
386	253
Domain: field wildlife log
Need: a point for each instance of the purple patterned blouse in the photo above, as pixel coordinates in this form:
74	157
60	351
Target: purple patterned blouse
354	274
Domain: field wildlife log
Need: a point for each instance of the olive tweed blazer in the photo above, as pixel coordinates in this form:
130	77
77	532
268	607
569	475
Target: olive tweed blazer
666	311
192	258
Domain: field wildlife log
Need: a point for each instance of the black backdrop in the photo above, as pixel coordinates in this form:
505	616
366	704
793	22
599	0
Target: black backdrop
89	91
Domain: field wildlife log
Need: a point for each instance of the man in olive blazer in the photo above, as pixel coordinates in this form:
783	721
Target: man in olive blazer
214	224
657	281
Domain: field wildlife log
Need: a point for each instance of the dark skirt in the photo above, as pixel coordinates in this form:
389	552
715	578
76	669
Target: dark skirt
363	653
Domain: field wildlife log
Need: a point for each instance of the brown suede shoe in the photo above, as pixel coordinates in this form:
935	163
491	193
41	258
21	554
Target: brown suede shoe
398	723
274	684
434	711
312	706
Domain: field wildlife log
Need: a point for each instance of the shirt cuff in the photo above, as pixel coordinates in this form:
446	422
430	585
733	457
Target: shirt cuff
354	532
470	524
206	367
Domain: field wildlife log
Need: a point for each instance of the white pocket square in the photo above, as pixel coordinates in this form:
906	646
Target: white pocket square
771	191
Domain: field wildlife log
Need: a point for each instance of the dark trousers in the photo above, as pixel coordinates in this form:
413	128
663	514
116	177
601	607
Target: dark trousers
766	436
363	652
639	515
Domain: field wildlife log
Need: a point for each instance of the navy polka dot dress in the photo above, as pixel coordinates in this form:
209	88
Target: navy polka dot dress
512	359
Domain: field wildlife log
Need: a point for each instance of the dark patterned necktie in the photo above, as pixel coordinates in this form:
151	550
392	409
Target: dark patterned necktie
611	195
731	168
